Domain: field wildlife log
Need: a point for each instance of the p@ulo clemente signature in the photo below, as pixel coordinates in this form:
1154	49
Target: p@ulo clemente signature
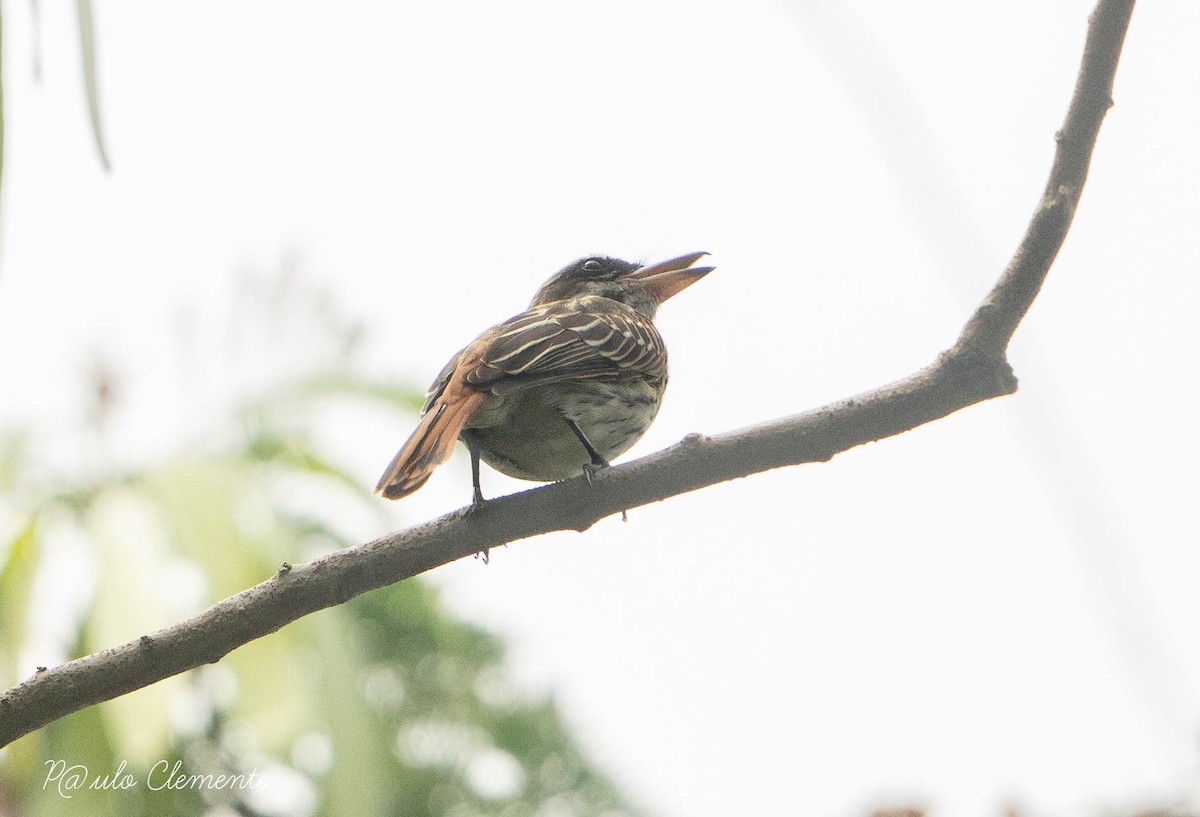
163	776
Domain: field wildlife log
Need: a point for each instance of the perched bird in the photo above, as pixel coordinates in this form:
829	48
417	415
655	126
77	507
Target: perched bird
563	387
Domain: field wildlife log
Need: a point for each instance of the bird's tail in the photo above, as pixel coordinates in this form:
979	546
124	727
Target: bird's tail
431	444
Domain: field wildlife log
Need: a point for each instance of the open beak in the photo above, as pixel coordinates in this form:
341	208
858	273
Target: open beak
666	278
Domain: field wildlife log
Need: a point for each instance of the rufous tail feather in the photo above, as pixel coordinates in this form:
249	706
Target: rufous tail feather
431	444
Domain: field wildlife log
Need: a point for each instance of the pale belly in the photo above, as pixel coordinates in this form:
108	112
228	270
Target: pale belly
524	434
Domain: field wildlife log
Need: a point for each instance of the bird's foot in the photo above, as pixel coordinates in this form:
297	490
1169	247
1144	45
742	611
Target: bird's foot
485	553
590	469
594	467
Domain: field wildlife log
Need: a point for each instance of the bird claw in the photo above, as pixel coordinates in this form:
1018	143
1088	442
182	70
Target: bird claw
590	470
486	553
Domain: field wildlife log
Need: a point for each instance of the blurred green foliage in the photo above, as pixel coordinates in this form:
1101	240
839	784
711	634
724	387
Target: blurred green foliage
386	705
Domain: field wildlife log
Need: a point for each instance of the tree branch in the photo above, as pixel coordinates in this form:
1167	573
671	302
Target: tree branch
972	371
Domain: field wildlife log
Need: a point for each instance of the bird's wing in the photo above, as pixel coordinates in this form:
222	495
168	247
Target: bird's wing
441	381
589	337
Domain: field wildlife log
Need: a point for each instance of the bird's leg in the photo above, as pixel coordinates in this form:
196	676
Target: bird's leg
477	495
473	449
477	492
598	460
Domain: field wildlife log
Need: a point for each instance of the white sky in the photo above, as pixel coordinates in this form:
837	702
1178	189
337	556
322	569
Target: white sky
1000	607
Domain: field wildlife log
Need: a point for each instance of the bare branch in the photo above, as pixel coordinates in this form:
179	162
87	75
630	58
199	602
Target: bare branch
972	371
994	322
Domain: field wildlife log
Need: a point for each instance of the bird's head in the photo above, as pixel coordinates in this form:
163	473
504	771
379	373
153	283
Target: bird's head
641	287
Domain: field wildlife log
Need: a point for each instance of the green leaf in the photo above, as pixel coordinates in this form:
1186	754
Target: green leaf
16	578
87	36
12	458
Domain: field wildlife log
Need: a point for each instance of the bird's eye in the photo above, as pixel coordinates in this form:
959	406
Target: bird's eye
592	265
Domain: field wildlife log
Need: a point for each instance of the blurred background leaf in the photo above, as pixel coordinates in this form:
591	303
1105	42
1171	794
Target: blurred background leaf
87	44
384	705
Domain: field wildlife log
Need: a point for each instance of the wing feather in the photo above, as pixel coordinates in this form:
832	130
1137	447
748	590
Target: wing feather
588	337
